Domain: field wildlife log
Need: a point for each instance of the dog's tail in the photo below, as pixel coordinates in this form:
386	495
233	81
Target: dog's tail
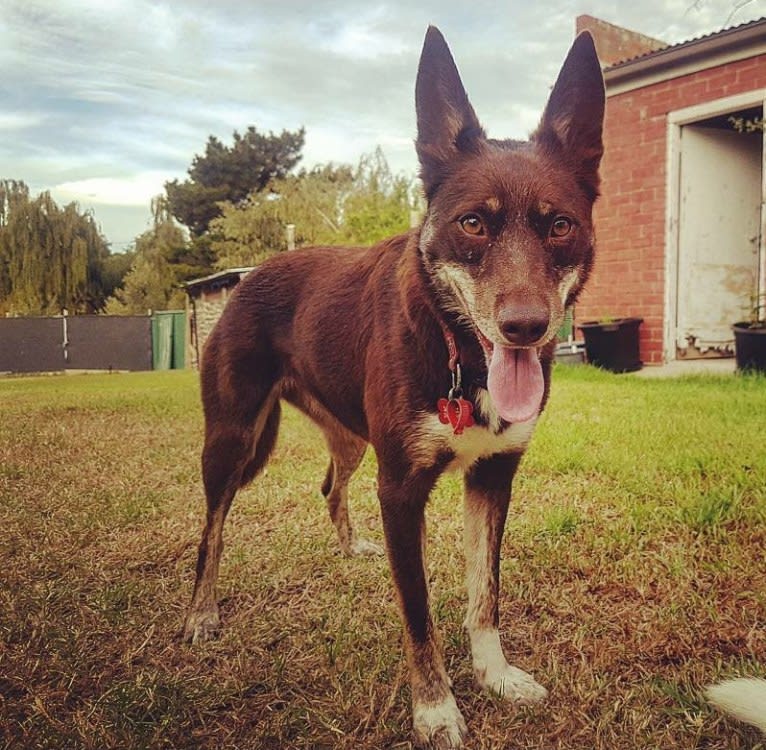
743	698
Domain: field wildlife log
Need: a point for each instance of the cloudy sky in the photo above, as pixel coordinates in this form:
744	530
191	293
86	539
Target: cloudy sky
102	101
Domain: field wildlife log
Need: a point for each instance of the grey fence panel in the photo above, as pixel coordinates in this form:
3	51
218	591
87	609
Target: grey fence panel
98	342
31	344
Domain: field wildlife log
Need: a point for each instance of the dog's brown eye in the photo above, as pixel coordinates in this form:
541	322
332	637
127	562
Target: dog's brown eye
561	227
471	224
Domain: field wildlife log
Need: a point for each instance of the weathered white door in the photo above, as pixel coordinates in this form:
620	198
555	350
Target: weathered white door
719	228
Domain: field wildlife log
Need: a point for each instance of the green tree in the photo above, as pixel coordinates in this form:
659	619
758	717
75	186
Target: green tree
312	201
231	173
116	267
330	204
153	281
188	259
14	198
50	257
380	204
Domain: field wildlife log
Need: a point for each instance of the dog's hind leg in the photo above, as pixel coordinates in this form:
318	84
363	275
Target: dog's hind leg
232	456
346	451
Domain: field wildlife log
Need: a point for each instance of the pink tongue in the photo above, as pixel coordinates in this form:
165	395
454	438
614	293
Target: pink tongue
515	383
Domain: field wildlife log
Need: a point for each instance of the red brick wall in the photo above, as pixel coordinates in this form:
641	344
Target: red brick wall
614	43
629	275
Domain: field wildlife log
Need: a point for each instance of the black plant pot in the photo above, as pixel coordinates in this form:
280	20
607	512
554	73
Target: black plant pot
613	345
750	347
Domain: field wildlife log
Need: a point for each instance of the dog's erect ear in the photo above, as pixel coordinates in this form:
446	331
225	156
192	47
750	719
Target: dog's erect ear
447	124
573	119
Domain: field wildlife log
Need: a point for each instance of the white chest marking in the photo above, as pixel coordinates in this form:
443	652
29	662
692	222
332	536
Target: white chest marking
475	442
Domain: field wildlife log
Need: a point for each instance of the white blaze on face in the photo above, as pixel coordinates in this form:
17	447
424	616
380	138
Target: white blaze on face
566	284
427	232
462	286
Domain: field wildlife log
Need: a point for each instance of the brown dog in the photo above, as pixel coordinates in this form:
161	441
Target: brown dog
434	346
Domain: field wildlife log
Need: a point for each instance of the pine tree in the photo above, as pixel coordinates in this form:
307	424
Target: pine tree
231	173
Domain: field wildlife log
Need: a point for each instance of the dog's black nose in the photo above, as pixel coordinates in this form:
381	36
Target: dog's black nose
523	325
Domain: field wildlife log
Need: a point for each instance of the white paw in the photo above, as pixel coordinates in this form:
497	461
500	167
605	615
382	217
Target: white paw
361	547
440	726
201	626
513	684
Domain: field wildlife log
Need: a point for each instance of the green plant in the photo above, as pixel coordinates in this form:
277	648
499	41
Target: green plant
756	310
746	125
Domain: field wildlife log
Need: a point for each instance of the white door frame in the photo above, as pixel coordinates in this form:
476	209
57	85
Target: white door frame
676	120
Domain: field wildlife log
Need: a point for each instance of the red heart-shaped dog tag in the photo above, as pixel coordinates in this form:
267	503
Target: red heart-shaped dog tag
457	412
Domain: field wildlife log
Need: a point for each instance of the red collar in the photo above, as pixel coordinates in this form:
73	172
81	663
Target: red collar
449	339
454	410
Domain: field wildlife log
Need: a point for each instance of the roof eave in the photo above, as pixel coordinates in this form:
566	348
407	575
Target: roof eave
219	276
666	60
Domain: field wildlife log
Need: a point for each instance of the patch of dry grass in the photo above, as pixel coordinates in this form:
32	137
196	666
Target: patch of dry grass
634	574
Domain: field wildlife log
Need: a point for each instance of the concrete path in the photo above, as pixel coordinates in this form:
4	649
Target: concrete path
689	367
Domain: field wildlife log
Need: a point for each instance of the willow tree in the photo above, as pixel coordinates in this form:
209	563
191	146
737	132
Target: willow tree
51	258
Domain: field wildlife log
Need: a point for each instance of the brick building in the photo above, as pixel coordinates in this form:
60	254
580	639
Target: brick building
680	224
206	298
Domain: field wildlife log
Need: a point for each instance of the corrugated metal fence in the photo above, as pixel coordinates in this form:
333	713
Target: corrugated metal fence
93	342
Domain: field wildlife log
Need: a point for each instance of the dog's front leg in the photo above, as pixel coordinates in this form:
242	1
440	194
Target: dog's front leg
487	494
437	721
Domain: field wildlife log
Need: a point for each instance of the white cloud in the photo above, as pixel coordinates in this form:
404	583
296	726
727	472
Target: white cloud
20	120
362	37
133	190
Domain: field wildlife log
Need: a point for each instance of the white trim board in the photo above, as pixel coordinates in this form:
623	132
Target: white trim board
675	121
717	107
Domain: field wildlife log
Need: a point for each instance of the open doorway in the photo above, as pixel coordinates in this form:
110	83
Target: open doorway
718	246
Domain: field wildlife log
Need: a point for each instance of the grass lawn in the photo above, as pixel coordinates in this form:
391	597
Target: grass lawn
633	575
